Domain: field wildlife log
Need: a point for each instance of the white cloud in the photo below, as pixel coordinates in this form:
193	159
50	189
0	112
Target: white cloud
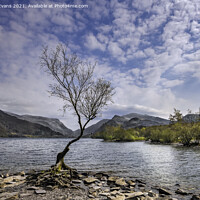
188	67
97	9
171	83
143	5
149	52
102	38
195	28
139	54
114	49
195	56
92	43
104	28
66	20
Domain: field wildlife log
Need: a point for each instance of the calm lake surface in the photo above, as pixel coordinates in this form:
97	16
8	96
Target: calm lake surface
164	165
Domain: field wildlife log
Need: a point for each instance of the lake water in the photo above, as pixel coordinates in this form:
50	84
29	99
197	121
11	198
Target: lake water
164	165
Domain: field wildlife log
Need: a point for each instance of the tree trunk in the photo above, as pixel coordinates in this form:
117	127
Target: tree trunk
60	157
60	160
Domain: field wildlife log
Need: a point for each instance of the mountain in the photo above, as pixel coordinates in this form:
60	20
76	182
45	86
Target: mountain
53	123
191	118
133	120
12	125
91	129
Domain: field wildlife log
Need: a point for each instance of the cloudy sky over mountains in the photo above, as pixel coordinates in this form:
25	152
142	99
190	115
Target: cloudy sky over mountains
148	49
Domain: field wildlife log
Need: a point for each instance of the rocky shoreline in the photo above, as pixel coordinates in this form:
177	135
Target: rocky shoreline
73	185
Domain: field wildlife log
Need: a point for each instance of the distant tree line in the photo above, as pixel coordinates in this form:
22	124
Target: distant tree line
178	131
119	134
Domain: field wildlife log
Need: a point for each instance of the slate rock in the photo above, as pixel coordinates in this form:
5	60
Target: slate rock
9	196
112	179
77	181
195	197
105	194
24	195
152	194
181	192
33	188
134	195
121	182
8	179
90	180
114	188
22	173
40	192
118	197
164	191
131	183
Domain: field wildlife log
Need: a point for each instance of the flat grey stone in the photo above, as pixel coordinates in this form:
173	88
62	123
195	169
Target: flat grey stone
76	181
33	188
90	180
25	195
164	191
7	195
40	191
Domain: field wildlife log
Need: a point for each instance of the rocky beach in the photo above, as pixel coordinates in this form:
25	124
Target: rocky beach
73	185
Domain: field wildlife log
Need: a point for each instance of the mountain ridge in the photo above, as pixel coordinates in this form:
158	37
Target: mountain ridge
35	126
13	125
134	120
131	120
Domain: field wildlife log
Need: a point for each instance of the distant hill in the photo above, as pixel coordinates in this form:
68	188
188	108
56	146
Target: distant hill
12	125
131	120
53	123
91	129
191	118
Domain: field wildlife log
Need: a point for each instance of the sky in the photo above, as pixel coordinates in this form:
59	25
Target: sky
148	49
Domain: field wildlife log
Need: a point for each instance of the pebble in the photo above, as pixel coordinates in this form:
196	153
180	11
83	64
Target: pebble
25	195
133	195
121	182
77	181
33	188
196	197
90	180
182	192
40	191
9	196
164	191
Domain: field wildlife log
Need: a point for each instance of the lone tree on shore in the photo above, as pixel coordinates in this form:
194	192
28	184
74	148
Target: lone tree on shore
76	86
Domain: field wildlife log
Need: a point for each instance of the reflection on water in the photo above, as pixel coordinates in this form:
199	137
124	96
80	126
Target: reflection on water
165	164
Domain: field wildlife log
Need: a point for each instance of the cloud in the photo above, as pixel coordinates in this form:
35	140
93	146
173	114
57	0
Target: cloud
188	68
130	97
104	28
115	50
103	38
171	83
92	43
195	28
142	5
149	52
139	54
148	49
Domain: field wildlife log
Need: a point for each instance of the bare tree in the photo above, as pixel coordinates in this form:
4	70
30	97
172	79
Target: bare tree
75	85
